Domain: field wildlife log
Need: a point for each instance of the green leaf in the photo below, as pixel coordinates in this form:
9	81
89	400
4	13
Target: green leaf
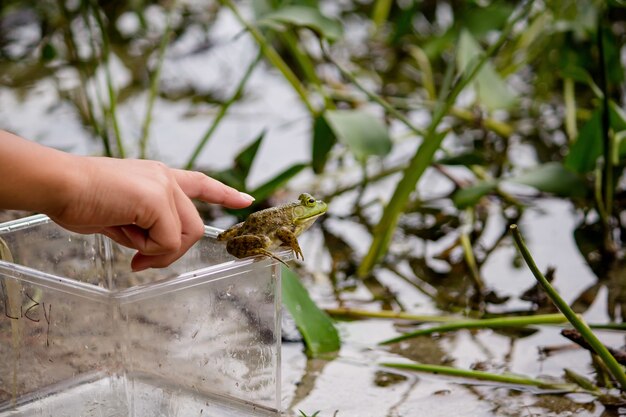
316	327
362	133
588	146
480	20
230	178
304	16
243	161
470	196
491	90
554	178
614	69
48	52
323	141
465	159
267	189
618	117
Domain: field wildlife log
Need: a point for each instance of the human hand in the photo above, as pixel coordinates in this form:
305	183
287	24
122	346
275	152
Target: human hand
141	204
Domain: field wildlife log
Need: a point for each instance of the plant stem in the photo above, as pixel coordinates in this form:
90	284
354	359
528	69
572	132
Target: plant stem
616	370
221	113
468	252
102	130
112	110
273	57
72	50
423	63
607	175
307	67
495	323
381	11
154	84
373	96
570	109
483	376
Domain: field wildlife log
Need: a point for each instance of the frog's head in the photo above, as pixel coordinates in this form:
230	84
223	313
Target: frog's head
306	211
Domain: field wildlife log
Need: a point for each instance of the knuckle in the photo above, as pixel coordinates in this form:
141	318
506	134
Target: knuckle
197	176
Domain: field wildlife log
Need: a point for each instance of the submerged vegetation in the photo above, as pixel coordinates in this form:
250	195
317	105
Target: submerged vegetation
431	127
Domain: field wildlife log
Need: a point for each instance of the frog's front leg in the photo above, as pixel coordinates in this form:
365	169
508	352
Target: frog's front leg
250	245
289	239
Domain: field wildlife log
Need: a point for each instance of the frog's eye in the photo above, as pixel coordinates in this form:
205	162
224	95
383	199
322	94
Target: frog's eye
307	200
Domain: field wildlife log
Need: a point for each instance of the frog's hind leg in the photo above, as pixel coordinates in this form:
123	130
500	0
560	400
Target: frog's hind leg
251	245
230	233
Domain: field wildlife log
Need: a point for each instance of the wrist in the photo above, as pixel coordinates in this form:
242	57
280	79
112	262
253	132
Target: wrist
66	182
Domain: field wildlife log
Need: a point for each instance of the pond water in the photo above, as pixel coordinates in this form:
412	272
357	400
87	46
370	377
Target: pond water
353	383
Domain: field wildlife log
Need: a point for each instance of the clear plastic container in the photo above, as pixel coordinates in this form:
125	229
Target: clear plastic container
81	335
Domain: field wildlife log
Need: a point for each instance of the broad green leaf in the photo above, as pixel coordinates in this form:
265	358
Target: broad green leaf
491	90
554	178
362	133
323	140
469	196
576	73
588	146
267	189
435	46
316	327
480	20
229	177
304	16
243	161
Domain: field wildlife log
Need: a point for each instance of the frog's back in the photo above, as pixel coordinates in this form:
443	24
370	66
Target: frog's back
268	220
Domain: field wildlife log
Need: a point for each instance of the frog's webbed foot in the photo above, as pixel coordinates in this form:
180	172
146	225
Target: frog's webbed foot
271	255
289	239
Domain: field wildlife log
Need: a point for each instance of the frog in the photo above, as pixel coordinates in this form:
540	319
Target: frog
272	228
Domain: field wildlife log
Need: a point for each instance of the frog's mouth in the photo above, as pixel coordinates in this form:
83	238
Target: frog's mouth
308	220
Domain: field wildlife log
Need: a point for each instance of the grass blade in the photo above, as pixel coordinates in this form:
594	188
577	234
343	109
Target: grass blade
384	314
272	56
222	112
494	323
154	84
614	367
482	376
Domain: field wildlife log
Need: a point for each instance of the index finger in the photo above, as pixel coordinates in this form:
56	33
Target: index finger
202	187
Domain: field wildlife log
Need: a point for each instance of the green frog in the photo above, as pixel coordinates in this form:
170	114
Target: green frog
271	228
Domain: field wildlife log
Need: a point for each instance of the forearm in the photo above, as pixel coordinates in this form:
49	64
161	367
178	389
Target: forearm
34	177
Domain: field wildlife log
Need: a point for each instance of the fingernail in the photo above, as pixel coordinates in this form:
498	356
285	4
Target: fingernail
246	196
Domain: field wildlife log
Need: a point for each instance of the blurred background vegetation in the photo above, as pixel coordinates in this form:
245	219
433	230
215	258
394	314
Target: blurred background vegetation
422	122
